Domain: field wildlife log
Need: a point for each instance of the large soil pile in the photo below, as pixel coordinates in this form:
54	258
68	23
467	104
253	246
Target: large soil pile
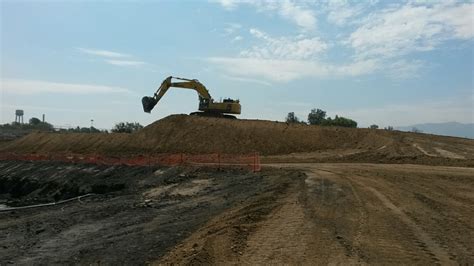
190	134
182	133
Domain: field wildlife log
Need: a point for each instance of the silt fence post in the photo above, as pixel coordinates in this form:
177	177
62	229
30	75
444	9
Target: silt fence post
254	162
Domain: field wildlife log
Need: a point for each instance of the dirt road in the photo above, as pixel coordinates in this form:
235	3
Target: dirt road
347	213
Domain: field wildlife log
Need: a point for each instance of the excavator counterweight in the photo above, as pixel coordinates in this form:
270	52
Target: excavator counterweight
207	106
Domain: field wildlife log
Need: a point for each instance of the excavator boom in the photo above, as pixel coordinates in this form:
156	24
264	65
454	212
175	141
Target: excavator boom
206	103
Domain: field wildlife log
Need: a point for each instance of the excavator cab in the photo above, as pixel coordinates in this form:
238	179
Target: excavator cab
203	103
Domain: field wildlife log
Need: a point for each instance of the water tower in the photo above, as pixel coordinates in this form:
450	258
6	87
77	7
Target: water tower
19	116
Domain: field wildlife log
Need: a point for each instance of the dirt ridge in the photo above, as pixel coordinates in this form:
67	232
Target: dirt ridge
200	135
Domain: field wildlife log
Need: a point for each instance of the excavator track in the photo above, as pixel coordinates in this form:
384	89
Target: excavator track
209	114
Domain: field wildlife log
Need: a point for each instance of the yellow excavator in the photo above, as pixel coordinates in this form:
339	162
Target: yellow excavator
207	106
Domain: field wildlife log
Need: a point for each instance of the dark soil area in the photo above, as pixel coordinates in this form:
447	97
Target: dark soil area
32	183
135	216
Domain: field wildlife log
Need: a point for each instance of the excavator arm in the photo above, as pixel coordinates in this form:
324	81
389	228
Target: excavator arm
204	96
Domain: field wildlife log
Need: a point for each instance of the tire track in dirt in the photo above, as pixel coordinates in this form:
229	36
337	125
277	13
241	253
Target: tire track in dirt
279	238
338	215
292	236
362	220
437	251
442	219
226	238
431	247
335	215
353	246
366	234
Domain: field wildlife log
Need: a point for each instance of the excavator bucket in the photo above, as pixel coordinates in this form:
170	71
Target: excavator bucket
148	103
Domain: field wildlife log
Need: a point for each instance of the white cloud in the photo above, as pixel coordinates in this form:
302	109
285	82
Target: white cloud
287	70
342	11
404	69
303	17
460	19
125	62
231	28
285	47
237	38
284	70
397	31
259	34
113	58
298	13
102	53
27	87
287	58
249	80
228	4
377	42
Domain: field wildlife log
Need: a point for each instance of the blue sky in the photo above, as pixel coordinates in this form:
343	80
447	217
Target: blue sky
384	62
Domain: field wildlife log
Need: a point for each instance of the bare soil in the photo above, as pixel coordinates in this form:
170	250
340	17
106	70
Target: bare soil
346	214
324	196
136	215
294	213
203	135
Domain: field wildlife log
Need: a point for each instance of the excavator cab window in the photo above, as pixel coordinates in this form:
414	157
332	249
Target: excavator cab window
203	102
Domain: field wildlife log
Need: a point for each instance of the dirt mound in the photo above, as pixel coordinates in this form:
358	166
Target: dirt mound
198	134
190	134
182	133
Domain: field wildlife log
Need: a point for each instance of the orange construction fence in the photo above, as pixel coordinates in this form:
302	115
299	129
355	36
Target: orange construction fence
218	160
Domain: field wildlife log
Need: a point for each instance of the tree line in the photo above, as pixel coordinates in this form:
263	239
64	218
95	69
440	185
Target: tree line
35	124
121	127
319	117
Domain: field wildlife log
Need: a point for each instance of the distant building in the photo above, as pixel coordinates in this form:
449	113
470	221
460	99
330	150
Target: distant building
19	116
